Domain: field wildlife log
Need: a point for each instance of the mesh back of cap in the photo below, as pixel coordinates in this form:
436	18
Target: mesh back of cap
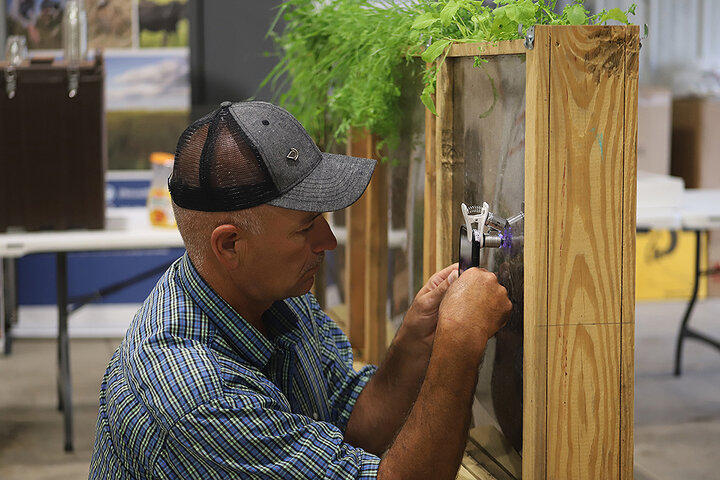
217	169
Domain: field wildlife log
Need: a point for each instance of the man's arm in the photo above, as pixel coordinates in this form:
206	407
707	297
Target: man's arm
385	402
431	439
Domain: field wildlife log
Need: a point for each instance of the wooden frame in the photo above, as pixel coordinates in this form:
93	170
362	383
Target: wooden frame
580	190
367	257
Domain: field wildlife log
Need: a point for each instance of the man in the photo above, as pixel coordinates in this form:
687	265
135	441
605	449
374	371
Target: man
231	370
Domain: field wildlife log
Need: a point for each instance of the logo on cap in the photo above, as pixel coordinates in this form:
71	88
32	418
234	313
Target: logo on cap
293	155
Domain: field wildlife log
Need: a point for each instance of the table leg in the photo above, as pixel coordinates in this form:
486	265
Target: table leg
64	386
9	294
686	318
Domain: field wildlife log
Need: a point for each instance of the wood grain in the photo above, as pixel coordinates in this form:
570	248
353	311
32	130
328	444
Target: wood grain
537	94
359	145
507	47
627	328
430	200
585	174
450	169
584	401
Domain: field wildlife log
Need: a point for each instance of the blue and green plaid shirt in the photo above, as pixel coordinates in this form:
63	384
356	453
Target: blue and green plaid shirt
194	391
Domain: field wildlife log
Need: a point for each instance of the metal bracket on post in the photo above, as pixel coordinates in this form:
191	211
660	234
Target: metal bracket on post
530	38
10	81
73	81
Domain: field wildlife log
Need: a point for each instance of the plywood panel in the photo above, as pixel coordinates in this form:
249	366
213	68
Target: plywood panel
536	255
627	359
584	400
585	174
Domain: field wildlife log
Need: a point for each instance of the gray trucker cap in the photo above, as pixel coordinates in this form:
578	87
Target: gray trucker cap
250	153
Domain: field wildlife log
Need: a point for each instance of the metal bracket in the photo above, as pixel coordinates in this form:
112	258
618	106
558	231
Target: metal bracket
10	81
530	38
474	214
73	81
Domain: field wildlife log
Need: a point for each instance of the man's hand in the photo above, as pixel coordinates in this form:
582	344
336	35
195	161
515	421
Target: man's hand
473	310
431	440
422	316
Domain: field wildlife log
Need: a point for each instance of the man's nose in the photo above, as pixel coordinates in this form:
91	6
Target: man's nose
323	238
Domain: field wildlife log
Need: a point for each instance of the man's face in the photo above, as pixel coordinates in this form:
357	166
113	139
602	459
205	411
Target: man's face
283	259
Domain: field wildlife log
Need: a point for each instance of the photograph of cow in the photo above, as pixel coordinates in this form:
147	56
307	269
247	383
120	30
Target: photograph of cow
163	23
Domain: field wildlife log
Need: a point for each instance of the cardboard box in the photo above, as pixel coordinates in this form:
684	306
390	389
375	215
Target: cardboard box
696	156
654	129
696	141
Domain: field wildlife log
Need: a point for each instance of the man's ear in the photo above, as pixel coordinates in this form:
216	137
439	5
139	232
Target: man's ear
228	243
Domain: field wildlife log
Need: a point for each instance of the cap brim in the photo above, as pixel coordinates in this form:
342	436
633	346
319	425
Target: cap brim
337	182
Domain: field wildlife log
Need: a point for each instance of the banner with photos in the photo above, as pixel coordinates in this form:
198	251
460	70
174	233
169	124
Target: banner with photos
147	85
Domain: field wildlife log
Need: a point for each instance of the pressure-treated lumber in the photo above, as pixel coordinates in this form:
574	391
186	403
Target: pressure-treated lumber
537	112
580	193
367	257
583	415
627	327
585	264
360	145
508	47
430	200
449	170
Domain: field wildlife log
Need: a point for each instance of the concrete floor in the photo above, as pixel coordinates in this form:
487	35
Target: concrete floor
677	420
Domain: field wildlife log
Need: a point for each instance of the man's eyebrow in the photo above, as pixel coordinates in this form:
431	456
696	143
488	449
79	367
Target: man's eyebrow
310	218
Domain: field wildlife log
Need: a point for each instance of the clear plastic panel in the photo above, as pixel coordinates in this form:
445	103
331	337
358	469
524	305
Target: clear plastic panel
405	204
489	125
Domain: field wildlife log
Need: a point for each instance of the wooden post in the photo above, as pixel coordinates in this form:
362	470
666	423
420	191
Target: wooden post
430	201
355	253
367	257
537	108
579	250
449	171
376	266
591	184
627	327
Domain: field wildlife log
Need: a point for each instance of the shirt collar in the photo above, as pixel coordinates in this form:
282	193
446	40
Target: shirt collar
250	344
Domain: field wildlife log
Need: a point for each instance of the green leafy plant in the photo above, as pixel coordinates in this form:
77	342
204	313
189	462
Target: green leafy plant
342	62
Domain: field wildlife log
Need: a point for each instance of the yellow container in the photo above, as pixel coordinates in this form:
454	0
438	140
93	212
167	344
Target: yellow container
159	203
666	265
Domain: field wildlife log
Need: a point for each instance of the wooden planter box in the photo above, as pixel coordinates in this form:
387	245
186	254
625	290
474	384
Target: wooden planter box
550	131
580	130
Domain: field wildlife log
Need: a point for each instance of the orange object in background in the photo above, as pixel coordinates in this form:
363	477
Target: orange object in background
158	203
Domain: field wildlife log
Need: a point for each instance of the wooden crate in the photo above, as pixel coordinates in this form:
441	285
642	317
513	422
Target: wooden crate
53	148
579	185
579	259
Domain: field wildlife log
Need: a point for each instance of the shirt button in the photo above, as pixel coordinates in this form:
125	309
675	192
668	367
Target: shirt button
315	415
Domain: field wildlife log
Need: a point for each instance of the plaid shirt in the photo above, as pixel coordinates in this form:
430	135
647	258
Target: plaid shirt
194	391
